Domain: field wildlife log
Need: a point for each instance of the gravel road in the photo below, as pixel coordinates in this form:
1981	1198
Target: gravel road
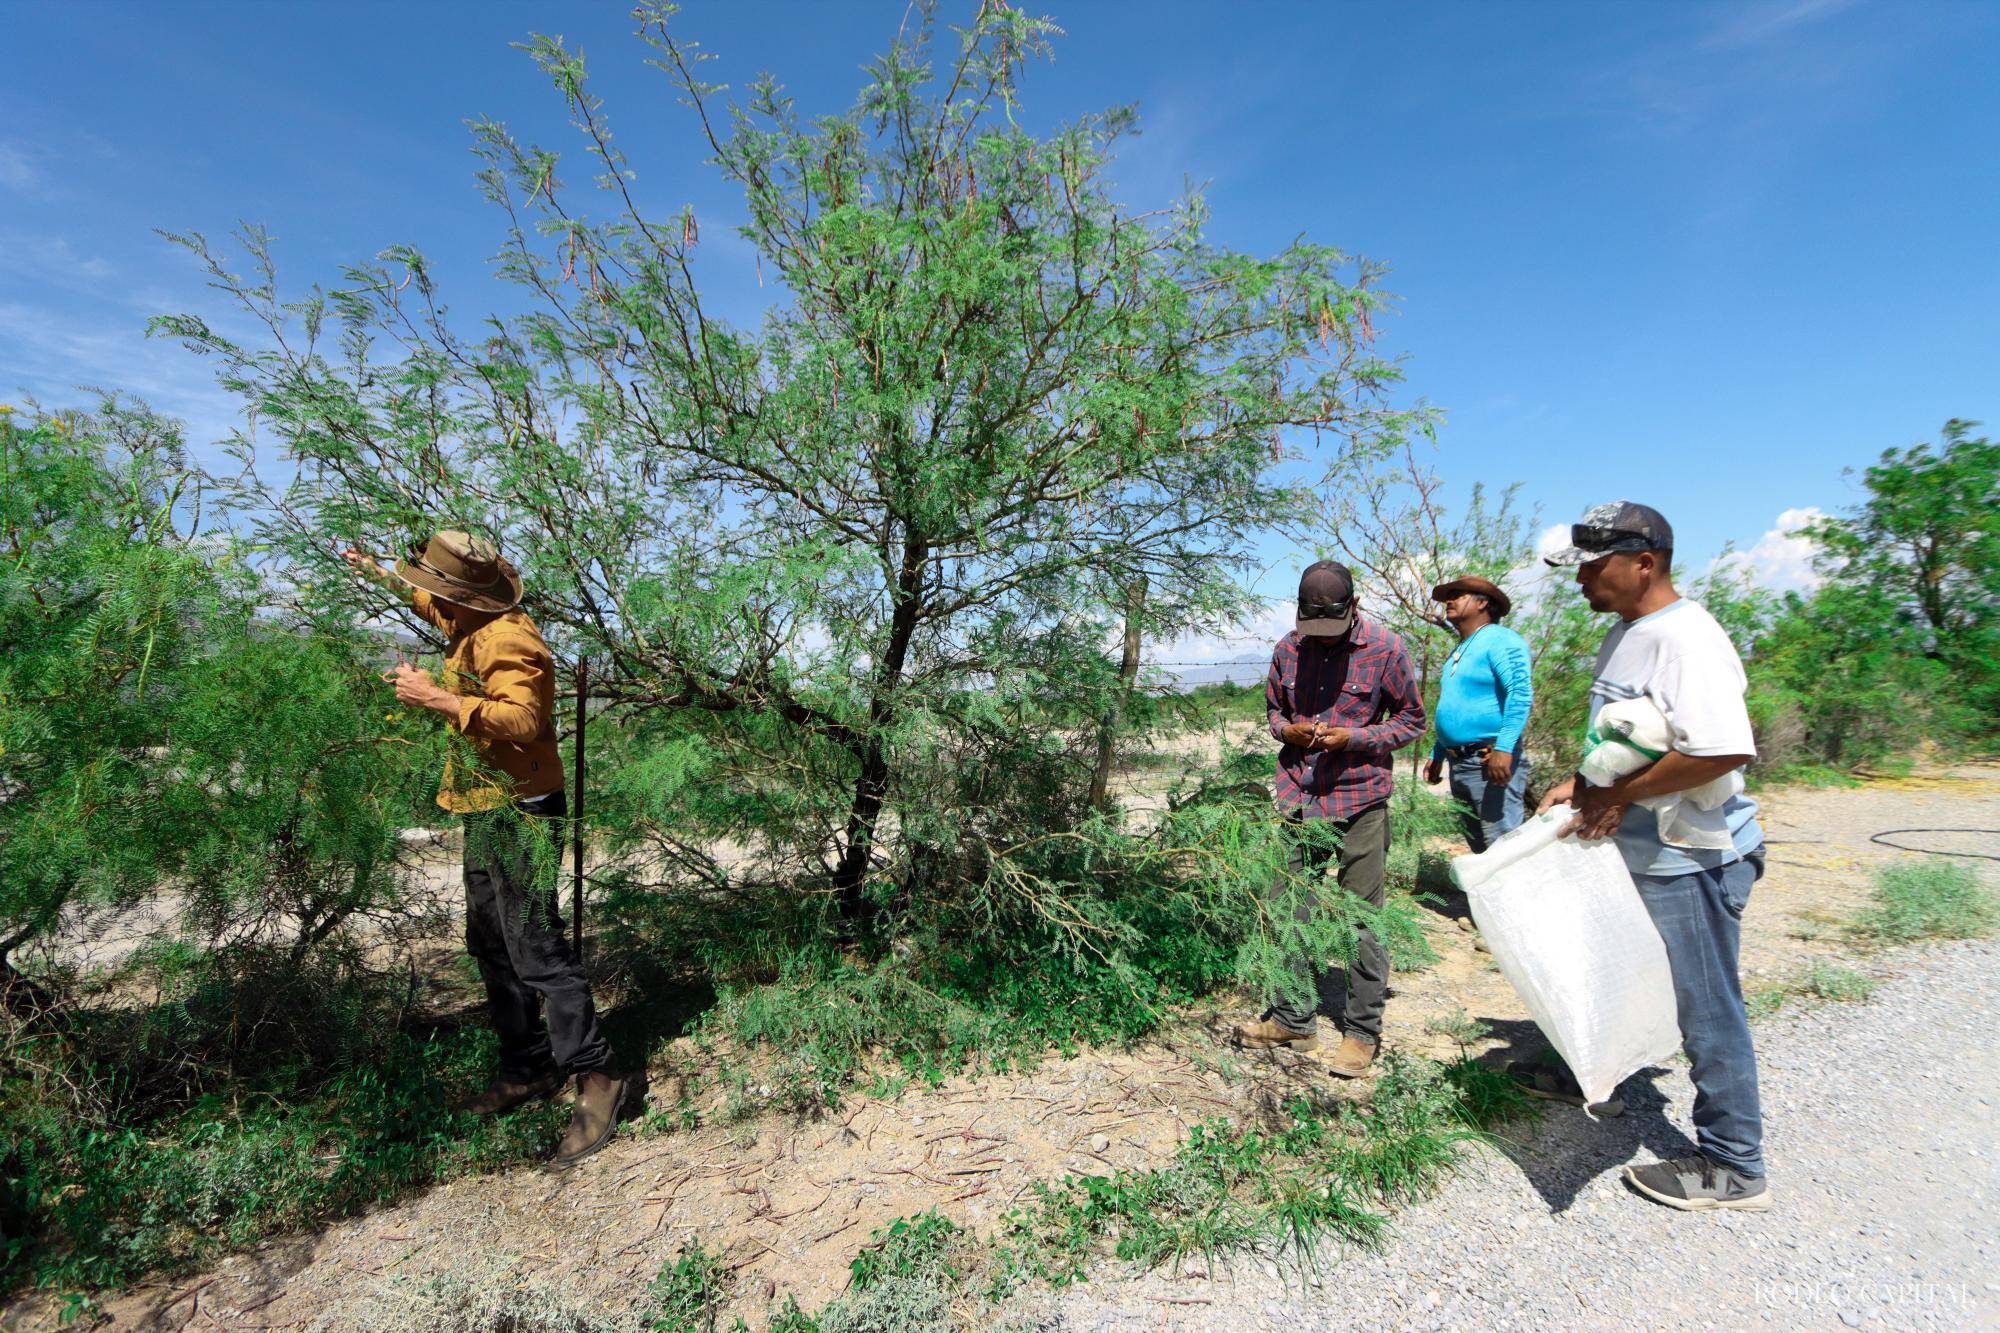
1886	1200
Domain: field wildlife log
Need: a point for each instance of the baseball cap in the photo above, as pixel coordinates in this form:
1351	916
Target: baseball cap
1326	599
1617	526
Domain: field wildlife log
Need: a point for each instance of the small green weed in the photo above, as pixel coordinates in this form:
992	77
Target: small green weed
1928	898
1458	1026
1761	1003
1830	981
1819	980
689	1293
904	1280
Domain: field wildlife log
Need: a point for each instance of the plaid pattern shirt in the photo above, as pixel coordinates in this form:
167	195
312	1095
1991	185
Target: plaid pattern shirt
1366	684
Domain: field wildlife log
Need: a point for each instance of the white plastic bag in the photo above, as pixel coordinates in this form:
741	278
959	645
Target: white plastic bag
1566	926
1630	734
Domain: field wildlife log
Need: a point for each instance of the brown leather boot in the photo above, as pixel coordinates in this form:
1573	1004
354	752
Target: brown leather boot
599	1098
1353	1057
504	1095
1264	1035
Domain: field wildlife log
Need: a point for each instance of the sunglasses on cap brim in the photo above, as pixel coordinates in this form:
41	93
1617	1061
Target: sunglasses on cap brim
1607	540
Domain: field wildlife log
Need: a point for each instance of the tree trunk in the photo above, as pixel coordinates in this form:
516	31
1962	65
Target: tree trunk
1128	674
871	785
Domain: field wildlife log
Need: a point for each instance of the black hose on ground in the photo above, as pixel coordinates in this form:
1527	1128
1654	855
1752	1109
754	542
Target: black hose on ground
1883	839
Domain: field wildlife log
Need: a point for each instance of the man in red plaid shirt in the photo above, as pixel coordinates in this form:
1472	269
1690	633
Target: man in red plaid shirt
1342	697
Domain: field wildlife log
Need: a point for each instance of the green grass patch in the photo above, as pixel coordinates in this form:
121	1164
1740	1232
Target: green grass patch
1819	980
1927	898
1324	1173
1805	774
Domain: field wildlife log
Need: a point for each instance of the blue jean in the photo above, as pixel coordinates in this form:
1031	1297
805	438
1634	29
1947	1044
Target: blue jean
1495	809
1699	916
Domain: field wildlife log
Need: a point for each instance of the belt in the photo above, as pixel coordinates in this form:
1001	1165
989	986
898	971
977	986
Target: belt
1477	750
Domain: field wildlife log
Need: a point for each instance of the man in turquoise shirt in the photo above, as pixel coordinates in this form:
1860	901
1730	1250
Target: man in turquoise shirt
1484	694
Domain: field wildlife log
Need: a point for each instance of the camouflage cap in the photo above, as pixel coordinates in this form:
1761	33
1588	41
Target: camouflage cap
1617	526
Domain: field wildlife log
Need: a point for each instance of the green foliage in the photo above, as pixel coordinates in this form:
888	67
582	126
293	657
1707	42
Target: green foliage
905	1278
102	601
1818	980
95	1200
689	1293
1829	981
1322	1172
858	562
1928	898
1084	936
1225	704
1899	644
158	726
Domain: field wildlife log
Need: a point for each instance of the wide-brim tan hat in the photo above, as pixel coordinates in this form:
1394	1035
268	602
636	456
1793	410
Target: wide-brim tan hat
1497	601
464	570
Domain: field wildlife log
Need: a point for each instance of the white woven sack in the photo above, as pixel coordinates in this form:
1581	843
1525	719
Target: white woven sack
1566	926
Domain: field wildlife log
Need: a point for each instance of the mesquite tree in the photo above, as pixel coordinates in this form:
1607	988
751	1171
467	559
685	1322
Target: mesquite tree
864	559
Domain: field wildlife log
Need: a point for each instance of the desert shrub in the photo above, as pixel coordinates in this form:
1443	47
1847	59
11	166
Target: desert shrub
174	740
1084	935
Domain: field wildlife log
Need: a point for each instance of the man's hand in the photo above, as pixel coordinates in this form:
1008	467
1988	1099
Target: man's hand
364	565
1499	767
1599	810
1331	738
1301	734
1433	770
415	687
1563	793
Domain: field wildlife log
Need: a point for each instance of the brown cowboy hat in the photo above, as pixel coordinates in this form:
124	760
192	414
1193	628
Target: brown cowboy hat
1498	602
464	570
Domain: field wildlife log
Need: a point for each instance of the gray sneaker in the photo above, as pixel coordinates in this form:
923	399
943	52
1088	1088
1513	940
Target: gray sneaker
1698	1183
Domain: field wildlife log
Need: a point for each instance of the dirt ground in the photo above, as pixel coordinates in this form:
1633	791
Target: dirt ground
788	1202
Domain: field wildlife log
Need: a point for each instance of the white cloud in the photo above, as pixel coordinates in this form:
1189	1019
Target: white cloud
1752	24
1552	539
17	172
1247	640
1782	558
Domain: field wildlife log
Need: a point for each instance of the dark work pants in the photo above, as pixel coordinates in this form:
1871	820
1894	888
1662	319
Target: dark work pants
1364	852
515	932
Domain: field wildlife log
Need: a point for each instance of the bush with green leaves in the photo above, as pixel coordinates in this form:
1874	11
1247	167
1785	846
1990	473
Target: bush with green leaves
213	793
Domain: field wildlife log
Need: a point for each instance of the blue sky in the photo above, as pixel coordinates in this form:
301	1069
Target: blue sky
1705	256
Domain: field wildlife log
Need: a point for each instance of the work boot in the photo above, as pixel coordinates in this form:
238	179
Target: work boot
1264	1034
1353	1057
504	1094
1699	1183
594	1118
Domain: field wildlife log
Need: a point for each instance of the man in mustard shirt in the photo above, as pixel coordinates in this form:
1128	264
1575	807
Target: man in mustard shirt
499	692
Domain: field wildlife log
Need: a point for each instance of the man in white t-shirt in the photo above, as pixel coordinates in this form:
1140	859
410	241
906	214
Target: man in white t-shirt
1672	652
